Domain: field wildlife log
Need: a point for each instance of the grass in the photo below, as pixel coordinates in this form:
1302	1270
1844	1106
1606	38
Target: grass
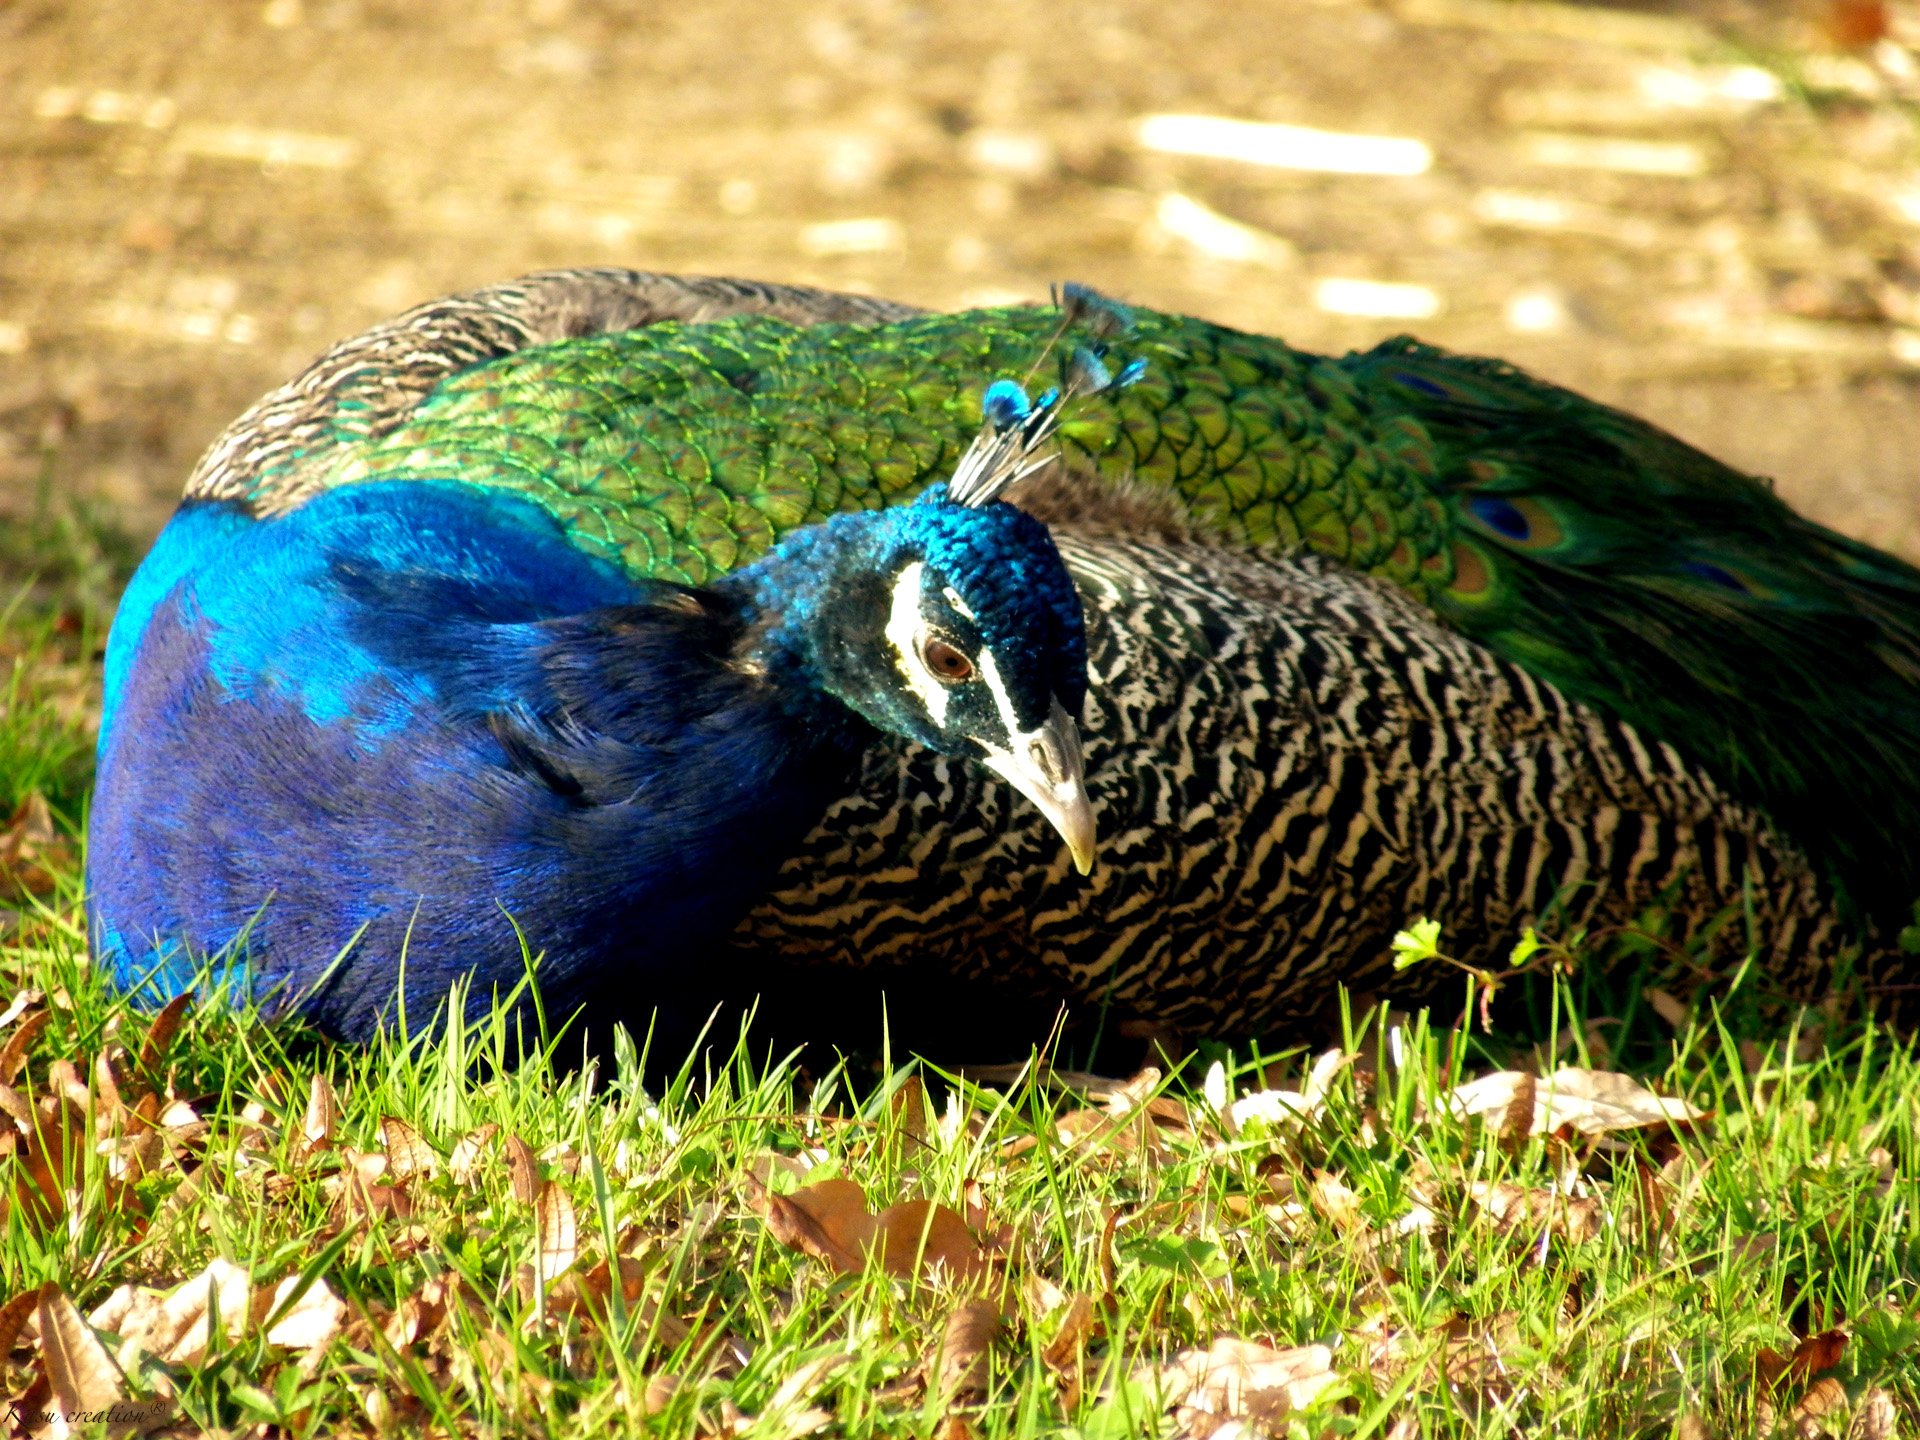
276	1236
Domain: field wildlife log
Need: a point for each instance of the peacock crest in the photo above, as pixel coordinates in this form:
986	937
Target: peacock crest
1015	428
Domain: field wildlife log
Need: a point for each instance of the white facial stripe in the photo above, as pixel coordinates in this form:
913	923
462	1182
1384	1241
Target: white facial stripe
959	605
903	633
990	673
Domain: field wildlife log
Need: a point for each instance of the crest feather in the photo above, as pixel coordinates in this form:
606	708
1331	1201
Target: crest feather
1014	427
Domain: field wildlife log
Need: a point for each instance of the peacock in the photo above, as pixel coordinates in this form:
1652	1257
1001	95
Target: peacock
678	631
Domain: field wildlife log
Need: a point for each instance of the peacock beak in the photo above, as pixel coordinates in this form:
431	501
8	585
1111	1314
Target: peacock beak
1045	765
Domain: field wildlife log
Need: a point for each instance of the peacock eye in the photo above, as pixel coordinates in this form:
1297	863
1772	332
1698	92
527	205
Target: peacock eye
947	663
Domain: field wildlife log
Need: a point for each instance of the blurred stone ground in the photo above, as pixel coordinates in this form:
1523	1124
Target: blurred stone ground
1708	215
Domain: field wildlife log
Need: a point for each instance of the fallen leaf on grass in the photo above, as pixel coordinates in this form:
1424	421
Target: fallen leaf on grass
1239	1382
1520	1209
177	1328
79	1370
13	1055
1811	1356
32	849
1134	1120
556	1233
13	1318
323	1115
523	1170
23	1001
1065	1355
1669	1007
423	1312
1580	1102
908	1108
1476	1352
1826	1396
786	1413
1273	1108
51	1175
407	1154
359	1189
464	1164
1875	1417
161	1033
592	1292
830	1221
1336	1201
966	1345
309	1322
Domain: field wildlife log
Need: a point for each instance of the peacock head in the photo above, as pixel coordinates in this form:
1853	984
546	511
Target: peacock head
951	625
953	621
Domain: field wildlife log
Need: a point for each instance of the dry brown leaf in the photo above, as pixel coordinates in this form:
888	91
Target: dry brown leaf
13	1316
426	1309
160	1034
830	1222
323	1115
112	1313
769	1164
463	1165
32	849
1476	1350
1240	1380
1270	1109
17	1107
107	1099
787	1414
407	1154
908	1108
965	1349
53	1161
64	1078
1584	1102
660	1391
23	1000
1336	1201
919	1236
1691	1427
1824	1397
1066	1354
1533	1211
1811	1356
1279	1106
1875	1417
136	1155
13	1055
1134	1090
1516	1120
182	1123
79	1370
556	1233
178	1328
523	1170
592	1292
309	1322
256	1129
360	1189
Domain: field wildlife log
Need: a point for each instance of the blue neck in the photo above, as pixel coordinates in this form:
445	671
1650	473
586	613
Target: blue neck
798	599
407	713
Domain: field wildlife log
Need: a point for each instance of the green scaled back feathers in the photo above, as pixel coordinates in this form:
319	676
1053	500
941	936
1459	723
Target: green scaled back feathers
1602	555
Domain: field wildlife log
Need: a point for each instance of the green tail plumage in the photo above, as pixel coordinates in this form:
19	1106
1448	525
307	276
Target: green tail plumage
1605	557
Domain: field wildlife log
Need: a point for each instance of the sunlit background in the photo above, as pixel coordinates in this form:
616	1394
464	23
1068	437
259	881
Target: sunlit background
1708	214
